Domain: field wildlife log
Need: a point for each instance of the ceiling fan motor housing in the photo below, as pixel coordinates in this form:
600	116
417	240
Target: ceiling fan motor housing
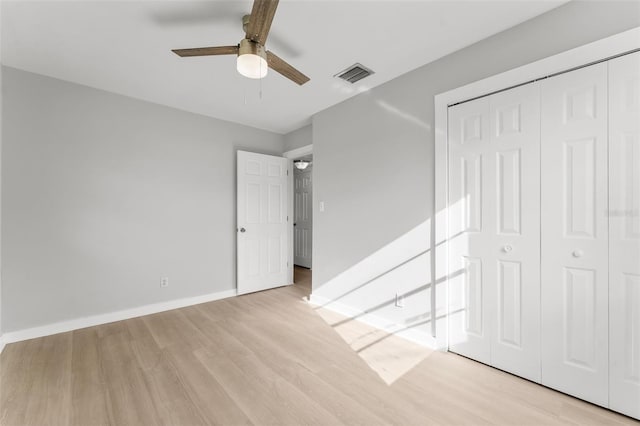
251	47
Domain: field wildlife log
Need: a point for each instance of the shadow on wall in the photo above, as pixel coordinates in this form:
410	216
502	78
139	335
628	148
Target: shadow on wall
392	289
403	267
400	270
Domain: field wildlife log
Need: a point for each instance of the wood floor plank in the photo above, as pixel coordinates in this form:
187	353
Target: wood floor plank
143	345
297	407
88	395
244	393
49	378
17	379
128	399
223	310
263	396
167	391
216	334
287	365
205	391
172	329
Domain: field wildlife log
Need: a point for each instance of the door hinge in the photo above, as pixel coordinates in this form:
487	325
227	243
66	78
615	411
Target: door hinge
287	172
287	218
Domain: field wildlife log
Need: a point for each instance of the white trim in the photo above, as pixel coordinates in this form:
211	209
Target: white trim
75	324
299	152
416	336
2	343
592	52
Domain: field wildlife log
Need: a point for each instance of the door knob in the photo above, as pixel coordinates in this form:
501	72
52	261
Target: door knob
577	253
507	248
295	224
242	230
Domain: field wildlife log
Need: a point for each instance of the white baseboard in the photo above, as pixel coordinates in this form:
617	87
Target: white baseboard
75	324
416	336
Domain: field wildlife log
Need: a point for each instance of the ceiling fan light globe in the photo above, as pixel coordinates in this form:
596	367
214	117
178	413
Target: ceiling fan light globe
301	164
252	59
252	66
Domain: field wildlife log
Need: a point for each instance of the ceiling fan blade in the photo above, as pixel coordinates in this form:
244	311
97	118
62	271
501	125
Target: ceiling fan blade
207	51
260	21
277	64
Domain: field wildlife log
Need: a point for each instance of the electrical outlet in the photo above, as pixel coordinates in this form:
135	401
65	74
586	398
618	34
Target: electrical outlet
164	282
399	300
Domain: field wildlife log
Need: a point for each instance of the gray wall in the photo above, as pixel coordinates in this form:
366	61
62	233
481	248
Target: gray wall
298	138
374	159
102	195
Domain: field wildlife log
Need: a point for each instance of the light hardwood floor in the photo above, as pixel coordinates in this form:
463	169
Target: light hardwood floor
267	359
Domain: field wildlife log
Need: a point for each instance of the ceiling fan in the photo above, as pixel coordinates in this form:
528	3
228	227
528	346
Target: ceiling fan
253	59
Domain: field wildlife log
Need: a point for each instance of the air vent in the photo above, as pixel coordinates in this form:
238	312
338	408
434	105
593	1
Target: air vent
355	72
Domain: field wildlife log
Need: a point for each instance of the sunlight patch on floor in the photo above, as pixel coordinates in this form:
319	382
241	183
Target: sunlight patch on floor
389	356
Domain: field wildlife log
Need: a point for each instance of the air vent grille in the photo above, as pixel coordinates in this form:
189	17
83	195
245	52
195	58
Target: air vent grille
355	72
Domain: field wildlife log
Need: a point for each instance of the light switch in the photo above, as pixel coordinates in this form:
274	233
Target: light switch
321	206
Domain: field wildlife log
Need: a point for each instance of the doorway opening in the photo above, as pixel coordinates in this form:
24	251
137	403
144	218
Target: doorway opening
303	220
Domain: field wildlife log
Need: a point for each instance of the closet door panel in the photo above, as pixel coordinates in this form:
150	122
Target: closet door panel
515	144
471	227
574	273
624	234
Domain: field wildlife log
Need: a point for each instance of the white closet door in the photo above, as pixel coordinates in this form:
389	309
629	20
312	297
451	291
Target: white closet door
515	251
624	234
495	228
575	233
471	227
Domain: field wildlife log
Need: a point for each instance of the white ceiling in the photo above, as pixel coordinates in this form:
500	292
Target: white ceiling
124	47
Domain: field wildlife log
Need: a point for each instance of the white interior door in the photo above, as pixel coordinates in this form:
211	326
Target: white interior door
302	221
262	222
624	234
575	233
515	176
471	227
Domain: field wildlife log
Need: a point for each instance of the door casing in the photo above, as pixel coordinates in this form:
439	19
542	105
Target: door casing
292	155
